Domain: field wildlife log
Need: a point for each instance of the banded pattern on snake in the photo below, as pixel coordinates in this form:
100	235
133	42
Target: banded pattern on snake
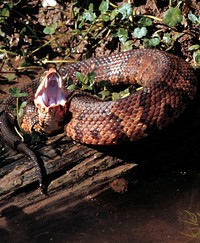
168	82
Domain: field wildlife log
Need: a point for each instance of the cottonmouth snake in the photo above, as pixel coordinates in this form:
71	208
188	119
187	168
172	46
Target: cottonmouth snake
168	82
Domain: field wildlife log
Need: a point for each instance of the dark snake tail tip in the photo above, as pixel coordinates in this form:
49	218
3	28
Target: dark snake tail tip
43	188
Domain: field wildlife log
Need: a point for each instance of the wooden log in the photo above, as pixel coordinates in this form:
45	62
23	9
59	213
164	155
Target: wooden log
77	172
73	171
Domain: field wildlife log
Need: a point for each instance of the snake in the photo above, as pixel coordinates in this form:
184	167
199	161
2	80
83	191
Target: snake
167	85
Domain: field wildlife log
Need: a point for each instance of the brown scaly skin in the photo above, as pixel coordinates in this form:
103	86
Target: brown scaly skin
11	138
168	85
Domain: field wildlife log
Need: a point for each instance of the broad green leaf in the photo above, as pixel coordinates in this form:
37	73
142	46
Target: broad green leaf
5	12
91	7
128	45
104	94
115	96
197	56
113	14
91	77
167	38
11	76
122	34
105	17
103	6
89	15
126	10
145	21
172	16
192	17
50	30
124	93
11	5
154	42
17	93
80	77
23	105
139	32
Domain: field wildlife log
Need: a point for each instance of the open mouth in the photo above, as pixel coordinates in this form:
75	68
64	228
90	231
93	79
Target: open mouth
50	92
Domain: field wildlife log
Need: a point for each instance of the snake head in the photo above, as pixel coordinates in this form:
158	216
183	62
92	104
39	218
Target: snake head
50	100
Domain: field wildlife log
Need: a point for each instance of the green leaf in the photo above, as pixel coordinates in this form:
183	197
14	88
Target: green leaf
86	87
5	12
50	30
17	93
177	36
115	96
124	93
104	94
139	32
126	10
88	15
11	76
194	18
72	87
194	47
128	45
80	77
122	34
197	56
23	104
113	14
154	42
145	21
21	108
121	94
91	77
103	6
105	17
11	5
167	38
91	7
172	16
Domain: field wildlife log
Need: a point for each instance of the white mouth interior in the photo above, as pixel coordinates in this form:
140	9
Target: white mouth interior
50	92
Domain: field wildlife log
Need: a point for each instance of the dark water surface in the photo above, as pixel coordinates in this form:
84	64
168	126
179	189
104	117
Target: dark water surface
161	204
155	209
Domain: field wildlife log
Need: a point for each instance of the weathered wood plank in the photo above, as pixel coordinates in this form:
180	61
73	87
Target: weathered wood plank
76	171
72	169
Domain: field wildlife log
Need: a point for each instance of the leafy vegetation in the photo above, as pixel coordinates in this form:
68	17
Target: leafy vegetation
34	34
78	30
103	89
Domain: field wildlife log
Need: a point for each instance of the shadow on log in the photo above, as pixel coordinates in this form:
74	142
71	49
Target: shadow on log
77	172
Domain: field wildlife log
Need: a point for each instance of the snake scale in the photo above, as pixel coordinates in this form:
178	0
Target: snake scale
168	85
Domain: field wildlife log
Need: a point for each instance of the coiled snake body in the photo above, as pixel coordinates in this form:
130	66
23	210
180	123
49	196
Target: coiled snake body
168	85
168	82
